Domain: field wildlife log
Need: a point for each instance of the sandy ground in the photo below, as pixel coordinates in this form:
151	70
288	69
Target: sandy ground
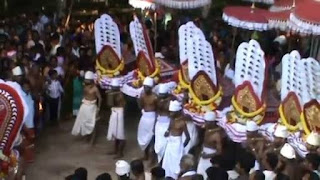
58	153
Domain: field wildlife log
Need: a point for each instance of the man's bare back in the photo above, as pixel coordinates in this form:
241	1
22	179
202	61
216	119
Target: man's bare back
148	102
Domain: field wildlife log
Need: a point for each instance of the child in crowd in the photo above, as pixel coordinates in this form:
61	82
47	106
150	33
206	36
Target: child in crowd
54	91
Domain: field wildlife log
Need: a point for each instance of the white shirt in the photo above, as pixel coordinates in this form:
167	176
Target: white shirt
30	115
55	89
269	175
232	175
60	71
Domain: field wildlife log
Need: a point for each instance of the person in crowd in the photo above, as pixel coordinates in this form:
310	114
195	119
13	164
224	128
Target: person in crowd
187	167
148	104
163	121
91	103
123	170
104	176
137	169
116	130
313	142
280	138
81	174
175	147
158	173
287	164
54	92
269	162
244	163
312	162
257	175
210	143
77	92
28	127
17	74
217	170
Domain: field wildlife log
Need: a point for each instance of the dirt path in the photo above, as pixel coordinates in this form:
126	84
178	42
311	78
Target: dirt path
58	153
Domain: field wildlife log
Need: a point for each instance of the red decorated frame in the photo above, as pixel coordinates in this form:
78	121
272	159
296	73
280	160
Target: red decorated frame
255	97
108	48
205	75
306	123
13	118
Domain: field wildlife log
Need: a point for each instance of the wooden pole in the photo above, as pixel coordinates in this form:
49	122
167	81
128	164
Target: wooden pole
155	31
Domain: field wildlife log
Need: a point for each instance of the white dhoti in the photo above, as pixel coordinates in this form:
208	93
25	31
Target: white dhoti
116	124
204	164
145	129
86	118
172	156
160	143
193	132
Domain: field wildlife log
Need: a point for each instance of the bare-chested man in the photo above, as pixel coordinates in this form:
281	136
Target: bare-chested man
148	104
175	147
287	163
210	144
163	121
313	143
116	123
280	138
87	116
255	142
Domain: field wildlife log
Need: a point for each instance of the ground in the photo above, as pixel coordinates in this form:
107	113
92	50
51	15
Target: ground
58	153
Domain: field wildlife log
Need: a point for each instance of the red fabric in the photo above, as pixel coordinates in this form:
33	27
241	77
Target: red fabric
308	11
255	15
280	16
286	3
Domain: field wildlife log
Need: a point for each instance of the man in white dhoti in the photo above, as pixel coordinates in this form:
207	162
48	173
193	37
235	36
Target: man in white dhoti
116	122
87	116
148	104
163	121
175	147
209	144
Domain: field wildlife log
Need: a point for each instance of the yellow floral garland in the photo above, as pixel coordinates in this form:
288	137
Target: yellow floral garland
211	100
304	125
284	121
113	72
182	82
249	115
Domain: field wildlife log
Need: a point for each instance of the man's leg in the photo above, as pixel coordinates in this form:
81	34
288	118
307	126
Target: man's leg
120	148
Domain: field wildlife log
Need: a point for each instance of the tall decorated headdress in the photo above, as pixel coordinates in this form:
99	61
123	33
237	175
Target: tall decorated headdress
147	66
107	37
186	32
248	99
205	92
300	81
13	111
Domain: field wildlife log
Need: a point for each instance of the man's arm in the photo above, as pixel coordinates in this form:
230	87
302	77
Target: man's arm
140	101
99	97
186	132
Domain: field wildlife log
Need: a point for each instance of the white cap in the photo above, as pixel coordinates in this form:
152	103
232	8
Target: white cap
287	151
89	75
17	71
175	106
159	55
313	139
251	126
148	81
281	131
122	167
163	89
282	40
81	73
210	116
115	82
